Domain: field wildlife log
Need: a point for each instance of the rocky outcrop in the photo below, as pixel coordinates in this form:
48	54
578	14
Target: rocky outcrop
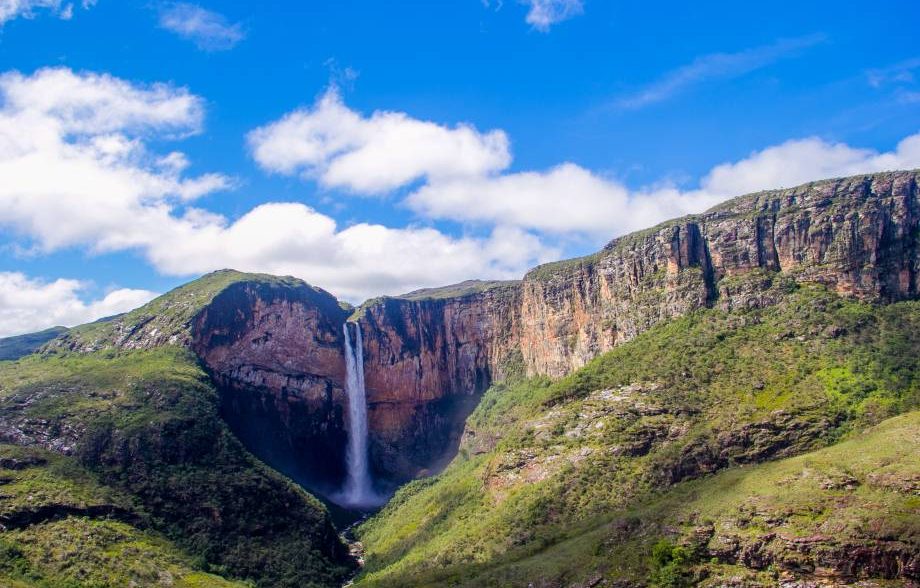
426	357
275	348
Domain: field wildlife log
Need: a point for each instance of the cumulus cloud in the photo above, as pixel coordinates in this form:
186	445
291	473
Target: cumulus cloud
372	154
569	199
10	9
209	30
566	200
355	262
339	147
28	304
78	171
74	160
543	14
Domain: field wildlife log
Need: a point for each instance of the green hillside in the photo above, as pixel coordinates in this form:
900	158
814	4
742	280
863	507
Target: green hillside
21	345
640	467
143	426
62	529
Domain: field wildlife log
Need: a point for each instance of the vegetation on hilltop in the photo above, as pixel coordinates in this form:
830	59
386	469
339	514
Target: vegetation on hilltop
459	290
165	319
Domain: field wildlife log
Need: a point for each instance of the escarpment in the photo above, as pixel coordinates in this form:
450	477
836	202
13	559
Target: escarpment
858	236
274	345
427	359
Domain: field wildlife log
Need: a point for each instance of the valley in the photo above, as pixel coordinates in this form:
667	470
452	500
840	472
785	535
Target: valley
726	399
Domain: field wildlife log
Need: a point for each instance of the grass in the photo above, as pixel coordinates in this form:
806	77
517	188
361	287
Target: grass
466	288
705	393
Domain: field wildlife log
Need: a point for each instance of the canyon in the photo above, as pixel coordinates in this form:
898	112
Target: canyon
756	333
276	349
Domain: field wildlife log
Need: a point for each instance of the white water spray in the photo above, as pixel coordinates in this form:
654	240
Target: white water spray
357	491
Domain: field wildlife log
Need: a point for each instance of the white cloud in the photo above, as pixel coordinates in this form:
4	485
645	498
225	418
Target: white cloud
341	148
803	160
78	173
563	200
386	151
570	200
209	30
28	305
74	160
716	66
354	262
11	9
543	14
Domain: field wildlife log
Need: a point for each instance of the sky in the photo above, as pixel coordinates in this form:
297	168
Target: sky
379	147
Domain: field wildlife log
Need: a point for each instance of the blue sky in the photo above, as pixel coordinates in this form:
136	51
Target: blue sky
372	147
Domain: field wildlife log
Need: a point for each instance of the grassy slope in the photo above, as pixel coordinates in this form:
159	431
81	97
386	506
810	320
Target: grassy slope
457	290
169	314
544	460
145	423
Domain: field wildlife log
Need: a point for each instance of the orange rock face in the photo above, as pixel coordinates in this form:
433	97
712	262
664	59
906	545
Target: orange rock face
276	354
428	358
426	363
858	236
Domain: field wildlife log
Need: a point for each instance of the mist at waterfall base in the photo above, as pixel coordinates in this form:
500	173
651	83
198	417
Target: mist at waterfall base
358	492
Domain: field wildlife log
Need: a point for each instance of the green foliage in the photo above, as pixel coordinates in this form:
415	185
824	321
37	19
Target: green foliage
149	430
544	460
670	565
63	529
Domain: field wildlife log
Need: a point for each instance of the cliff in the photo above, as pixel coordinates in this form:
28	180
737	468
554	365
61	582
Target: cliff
857	235
428	356
274	345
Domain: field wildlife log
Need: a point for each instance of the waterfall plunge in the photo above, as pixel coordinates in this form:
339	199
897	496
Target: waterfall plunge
357	491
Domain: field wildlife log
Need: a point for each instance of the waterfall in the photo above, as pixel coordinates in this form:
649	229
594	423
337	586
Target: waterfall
357	490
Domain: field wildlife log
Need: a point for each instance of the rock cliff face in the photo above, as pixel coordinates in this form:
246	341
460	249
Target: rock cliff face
274	345
858	235
428	356
275	352
427	359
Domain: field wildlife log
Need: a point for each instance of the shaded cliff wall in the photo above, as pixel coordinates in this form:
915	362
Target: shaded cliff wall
426	363
858	236
275	352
